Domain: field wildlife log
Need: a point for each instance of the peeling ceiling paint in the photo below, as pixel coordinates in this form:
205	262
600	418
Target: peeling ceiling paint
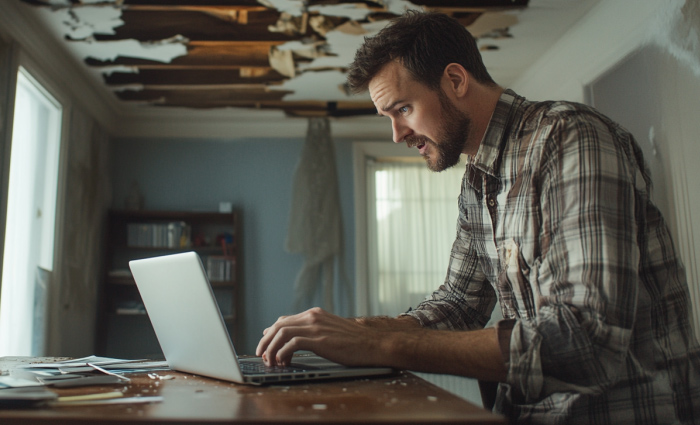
80	24
345	10
265	53
162	51
83	22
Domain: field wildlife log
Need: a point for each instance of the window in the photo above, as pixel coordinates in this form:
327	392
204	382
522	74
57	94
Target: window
30	227
412	217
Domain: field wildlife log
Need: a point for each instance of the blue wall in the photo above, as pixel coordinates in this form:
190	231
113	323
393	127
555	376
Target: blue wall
256	176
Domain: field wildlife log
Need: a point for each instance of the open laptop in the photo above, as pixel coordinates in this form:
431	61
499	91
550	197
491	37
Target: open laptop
192	333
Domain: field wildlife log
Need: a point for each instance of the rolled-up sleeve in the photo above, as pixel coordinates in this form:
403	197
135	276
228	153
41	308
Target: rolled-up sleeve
586	277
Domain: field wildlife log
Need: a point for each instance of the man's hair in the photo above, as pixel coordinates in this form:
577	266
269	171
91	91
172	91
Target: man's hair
424	43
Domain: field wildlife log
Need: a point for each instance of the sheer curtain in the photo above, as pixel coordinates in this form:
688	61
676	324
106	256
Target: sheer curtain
412	219
412	214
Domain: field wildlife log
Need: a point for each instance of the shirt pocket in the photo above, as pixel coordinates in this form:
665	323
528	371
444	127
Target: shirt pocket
513	282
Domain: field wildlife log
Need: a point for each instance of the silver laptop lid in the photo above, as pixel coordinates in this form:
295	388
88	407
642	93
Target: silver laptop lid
186	319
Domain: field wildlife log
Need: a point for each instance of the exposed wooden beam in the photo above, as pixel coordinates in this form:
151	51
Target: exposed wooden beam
245	71
166	76
137	3
472	5
195	26
206	88
241	54
243	15
227	3
172	6
329	109
245	53
218	96
368	3
294	109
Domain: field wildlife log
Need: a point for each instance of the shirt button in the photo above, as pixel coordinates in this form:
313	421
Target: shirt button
492	202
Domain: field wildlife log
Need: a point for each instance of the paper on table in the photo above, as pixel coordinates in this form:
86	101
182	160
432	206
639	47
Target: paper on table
84	364
125	400
83	381
15	382
130	366
91	370
101	361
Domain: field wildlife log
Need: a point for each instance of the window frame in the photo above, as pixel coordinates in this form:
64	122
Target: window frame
16	59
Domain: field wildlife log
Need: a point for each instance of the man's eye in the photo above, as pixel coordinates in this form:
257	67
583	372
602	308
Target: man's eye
403	109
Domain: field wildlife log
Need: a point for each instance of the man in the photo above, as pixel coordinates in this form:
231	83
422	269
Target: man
555	224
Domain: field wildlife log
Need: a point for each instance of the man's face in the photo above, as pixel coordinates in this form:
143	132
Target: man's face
421	117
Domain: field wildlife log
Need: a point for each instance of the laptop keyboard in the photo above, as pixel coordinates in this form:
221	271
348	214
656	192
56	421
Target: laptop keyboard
259	367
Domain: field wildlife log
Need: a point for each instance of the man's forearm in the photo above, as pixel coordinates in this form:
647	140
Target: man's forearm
389	323
475	354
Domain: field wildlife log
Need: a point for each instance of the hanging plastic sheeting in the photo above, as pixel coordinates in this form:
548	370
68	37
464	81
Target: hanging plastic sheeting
315	222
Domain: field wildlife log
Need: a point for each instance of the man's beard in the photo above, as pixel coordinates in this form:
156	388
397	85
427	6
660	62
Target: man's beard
454	131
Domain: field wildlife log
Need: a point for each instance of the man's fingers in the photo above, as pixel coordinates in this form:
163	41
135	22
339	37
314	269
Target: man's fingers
262	344
268	334
286	352
284	341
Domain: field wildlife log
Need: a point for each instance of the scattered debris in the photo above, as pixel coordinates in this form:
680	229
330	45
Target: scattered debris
162	378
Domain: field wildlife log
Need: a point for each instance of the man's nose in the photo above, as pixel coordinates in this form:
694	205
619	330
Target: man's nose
400	131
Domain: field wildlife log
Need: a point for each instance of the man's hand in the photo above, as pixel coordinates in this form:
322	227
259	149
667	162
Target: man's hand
345	341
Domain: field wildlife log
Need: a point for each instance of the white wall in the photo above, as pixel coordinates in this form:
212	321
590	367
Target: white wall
658	41
612	30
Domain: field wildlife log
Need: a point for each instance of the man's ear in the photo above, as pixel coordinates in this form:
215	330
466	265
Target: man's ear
457	78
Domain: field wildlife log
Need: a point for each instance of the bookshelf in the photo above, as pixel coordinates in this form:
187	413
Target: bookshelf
123	328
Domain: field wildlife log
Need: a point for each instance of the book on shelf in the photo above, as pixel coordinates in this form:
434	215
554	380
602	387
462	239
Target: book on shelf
158	235
219	268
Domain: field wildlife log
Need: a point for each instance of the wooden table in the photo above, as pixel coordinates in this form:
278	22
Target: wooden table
189	399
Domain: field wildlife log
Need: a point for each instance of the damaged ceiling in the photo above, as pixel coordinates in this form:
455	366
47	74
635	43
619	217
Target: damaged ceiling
288	55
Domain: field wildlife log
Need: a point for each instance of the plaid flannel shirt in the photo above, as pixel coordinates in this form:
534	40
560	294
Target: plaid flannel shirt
556	224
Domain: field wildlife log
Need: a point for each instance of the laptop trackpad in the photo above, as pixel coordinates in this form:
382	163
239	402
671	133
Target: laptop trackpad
312	361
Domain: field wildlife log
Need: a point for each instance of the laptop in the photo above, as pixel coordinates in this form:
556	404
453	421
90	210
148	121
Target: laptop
192	333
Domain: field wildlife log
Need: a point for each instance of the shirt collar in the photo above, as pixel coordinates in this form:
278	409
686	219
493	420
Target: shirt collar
487	157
